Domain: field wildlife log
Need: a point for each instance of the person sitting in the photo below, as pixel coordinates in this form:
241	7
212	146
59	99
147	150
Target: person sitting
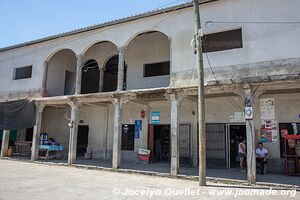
261	157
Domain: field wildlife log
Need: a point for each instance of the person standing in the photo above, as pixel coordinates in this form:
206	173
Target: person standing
261	156
242	154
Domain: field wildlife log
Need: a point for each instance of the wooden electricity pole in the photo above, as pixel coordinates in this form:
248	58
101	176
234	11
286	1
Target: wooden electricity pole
201	103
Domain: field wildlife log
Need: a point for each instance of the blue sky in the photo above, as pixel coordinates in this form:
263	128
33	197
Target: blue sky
25	20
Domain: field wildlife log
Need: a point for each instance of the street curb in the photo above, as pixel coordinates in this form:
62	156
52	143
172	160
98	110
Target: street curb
165	175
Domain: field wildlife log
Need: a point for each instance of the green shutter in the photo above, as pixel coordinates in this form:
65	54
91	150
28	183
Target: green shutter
12	135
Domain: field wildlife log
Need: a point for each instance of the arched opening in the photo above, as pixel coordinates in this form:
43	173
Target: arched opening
90	77
148	59
93	77
61	73
110	82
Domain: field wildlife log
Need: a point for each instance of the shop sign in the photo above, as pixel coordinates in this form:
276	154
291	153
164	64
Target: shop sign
155	117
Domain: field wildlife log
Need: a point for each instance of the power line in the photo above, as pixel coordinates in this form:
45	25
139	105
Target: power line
167	4
190	80
230	100
252	22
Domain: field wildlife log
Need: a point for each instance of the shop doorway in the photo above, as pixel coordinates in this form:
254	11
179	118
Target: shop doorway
159	143
82	140
235	133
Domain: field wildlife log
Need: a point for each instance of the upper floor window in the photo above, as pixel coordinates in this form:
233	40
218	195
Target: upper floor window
222	41
23	72
157	69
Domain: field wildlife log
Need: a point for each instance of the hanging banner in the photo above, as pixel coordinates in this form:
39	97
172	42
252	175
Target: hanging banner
18	114
137	129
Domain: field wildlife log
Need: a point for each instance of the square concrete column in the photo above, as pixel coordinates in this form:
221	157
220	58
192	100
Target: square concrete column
101	79
5	143
36	134
174	135
116	159
79	66
121	69
250	133
73	134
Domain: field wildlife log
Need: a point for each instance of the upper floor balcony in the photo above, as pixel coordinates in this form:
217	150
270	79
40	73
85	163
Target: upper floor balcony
153	50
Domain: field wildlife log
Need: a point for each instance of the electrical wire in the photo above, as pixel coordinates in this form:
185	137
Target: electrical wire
190	81
253	22
230	100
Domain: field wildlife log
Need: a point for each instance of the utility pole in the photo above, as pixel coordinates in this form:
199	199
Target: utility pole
201	103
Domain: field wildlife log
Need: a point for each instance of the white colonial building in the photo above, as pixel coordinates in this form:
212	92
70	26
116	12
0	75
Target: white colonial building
108	77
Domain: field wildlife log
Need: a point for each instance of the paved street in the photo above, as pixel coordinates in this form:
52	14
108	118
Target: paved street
19	180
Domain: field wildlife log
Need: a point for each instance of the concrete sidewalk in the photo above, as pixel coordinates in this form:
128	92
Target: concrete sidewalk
30	181
163	169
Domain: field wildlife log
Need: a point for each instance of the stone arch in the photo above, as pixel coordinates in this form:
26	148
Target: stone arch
61	73
148	56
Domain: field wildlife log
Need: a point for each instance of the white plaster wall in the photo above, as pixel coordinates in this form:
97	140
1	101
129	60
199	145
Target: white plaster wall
62	61
278	39
56	125
96	118
267	41
146	49
7	67
219	110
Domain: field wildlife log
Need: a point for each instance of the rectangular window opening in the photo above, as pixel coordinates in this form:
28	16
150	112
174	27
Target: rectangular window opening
23	73
157	69
222	41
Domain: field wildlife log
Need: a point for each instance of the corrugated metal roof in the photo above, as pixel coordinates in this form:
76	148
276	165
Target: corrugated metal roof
105	24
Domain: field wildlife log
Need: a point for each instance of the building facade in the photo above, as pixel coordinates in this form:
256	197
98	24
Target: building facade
94	86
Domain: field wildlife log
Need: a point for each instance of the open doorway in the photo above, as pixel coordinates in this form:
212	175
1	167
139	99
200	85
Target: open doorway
82	140
235	134
159	143
29	134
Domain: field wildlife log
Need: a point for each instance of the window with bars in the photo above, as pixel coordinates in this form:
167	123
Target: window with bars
23	73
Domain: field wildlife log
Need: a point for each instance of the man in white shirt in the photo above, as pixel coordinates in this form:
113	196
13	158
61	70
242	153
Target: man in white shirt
261	156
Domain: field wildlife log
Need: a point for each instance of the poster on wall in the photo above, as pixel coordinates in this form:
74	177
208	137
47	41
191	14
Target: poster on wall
269	131
155	117
137	129
267	109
